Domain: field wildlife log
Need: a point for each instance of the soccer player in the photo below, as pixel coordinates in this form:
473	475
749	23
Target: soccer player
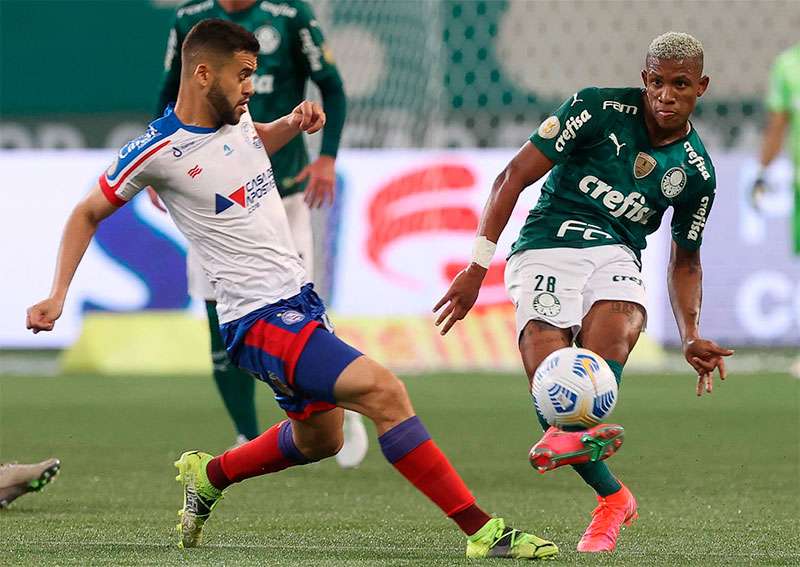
618	158
783	104
292	50
17	479
273	324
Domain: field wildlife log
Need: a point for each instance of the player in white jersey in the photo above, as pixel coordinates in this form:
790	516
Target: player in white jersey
274	325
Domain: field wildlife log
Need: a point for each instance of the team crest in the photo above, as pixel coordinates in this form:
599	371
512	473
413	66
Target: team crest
546	304
643	165
268	39
673	182
250	134
549	128
291	317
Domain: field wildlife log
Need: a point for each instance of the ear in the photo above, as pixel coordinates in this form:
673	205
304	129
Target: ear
702	85
644	77
203	74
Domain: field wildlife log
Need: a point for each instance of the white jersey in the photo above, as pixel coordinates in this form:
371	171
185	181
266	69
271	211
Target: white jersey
218	187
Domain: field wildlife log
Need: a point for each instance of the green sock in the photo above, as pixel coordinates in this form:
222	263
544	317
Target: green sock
597	474
236	386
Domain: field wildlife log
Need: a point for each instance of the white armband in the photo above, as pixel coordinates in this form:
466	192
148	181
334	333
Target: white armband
482	251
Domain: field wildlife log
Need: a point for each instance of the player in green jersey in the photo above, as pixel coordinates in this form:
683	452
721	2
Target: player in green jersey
783	104
292	51
618	159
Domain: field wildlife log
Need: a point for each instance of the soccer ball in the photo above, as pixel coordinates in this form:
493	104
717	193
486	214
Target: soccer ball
574	387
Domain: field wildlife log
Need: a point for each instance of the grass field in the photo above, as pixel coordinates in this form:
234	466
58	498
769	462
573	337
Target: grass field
716	478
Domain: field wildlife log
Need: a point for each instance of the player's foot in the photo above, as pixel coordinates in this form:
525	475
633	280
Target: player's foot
199	497
611	514
495	539
239	441
557	448
16	479
355	441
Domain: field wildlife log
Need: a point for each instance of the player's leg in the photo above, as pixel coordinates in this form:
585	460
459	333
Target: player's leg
236	387
18	479
373	391
355	434
611	327
546	287
286	444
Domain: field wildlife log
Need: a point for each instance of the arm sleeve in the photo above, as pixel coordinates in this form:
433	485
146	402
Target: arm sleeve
691	214
171	78
334	102
314	55
574	124
778	95
129	173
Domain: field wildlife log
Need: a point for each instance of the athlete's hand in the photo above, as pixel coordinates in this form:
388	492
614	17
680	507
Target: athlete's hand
706	356
308	117
321	175
461	296
154	198
43	315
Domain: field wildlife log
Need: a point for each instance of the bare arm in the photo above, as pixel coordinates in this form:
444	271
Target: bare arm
774	135
78	232
685	283
525	168
306	117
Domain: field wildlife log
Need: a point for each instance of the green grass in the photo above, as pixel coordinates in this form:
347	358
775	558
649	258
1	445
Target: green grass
716	478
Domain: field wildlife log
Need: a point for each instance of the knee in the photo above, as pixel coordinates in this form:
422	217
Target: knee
322	447
387	399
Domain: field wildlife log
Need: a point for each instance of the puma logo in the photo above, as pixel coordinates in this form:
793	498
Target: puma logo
613	138
575	100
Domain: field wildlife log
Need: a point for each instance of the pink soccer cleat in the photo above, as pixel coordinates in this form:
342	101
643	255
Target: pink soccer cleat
611	514
557	447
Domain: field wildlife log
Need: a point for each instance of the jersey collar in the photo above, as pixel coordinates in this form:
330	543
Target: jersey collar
172	118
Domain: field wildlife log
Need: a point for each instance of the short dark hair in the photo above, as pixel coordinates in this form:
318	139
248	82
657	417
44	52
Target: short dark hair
218	37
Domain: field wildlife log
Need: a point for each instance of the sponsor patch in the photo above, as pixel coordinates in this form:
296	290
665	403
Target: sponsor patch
699	220
643	165
673	182
549	128
546	304
571	127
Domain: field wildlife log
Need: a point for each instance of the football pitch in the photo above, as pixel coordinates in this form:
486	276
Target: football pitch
717	478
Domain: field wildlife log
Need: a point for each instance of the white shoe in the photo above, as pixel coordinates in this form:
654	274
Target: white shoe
794	370
356	441
240	440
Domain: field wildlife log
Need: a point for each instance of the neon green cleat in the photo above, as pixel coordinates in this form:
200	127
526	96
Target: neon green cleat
494	539
199	497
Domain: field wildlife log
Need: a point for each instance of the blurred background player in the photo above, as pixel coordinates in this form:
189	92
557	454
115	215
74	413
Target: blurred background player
619	160
292	51
783	106
18	479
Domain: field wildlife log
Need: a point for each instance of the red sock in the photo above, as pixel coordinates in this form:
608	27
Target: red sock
272	451
428	469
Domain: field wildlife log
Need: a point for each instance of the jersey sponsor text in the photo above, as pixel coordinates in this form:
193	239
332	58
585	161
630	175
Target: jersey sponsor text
571	127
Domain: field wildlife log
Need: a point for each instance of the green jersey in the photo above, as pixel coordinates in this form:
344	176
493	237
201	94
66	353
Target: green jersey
609	184
784	96
292	50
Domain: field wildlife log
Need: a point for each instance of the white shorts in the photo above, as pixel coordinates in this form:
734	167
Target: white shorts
560	285
299	217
